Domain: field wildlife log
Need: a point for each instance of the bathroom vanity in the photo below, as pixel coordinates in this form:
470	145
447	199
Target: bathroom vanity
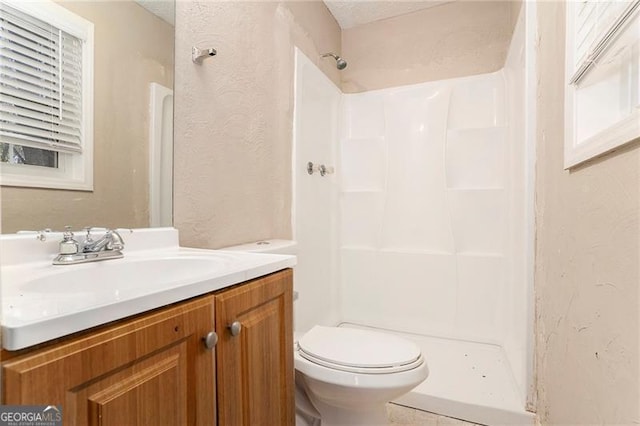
222	356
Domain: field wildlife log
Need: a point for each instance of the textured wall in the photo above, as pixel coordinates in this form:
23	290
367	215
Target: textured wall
587	256
132	49
233	115
452	40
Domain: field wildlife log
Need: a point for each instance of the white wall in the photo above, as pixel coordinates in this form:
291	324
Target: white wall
317	102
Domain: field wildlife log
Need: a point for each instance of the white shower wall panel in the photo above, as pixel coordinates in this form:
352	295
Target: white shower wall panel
365	115
363	164
478	315
517	303
478	220
423	208
476	157
317	105
356	229
392	289
415	216
477	102
424	293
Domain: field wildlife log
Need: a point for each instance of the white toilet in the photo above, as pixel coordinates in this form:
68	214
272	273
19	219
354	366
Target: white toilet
347	374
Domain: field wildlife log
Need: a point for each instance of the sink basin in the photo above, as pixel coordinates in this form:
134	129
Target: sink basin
51	291
124	275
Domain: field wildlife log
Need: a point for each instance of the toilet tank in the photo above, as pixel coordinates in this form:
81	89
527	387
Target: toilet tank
267	246
270	247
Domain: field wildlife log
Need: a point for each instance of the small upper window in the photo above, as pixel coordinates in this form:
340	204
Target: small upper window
602	98
46	101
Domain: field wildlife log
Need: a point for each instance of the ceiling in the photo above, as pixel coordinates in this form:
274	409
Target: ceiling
351	13
163	9
348	13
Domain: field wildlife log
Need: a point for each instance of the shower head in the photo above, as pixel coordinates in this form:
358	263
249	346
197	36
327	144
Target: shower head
340	63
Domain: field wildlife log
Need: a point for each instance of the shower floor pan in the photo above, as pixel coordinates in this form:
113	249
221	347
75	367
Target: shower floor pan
467	380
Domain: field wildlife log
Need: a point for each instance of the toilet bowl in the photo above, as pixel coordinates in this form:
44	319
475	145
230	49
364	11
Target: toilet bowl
348	375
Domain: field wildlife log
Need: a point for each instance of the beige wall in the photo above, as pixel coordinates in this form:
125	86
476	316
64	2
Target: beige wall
452	40
132	49
587	263
233	115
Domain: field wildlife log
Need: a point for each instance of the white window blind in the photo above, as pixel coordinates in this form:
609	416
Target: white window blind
596	25
40	84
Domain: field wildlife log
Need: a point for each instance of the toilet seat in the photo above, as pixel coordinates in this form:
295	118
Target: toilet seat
359	351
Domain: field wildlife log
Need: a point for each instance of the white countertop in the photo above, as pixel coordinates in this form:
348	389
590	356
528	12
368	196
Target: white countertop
41	301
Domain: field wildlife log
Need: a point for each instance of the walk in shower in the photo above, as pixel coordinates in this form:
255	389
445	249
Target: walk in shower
425	228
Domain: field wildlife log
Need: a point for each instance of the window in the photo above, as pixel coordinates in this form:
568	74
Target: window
46	96
602	100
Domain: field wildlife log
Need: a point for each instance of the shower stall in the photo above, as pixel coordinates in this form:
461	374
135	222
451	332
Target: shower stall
425	228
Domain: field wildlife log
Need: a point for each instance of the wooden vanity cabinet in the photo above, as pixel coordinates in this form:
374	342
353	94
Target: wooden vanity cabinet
155	368
254	361
151	370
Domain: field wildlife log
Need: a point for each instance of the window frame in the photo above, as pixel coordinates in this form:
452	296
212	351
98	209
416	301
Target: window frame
620	133
74	171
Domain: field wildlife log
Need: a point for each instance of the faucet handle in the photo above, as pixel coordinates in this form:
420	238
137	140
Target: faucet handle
42	235
88	238
67	235
68	245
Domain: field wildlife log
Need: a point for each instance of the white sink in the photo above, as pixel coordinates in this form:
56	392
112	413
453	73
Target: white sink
124	275
41	301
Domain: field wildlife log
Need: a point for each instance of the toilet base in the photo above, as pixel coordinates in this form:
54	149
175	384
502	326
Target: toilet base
306	413
375	415
340	405
304	420
315	412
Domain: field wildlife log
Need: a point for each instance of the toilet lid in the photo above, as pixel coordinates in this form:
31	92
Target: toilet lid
359	350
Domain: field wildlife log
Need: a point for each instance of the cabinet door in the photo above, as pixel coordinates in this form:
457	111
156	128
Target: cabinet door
255	366
152	370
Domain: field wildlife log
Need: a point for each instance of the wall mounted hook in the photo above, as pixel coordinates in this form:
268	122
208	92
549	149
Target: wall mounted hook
197	55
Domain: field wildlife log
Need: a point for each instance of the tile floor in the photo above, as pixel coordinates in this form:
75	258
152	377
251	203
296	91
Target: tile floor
405	416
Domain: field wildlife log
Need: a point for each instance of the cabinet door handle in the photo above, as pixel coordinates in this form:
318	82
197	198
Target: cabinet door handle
235	328
210	340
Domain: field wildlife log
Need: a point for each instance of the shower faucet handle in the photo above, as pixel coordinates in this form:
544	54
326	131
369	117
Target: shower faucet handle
324	170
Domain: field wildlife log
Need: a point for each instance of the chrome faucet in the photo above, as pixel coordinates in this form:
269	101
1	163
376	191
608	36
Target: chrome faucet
109	246
110	241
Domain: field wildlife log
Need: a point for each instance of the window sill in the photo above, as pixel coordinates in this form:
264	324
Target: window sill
37	178
621	133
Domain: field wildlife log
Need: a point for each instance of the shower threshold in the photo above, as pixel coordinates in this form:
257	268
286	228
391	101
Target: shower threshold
467	380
